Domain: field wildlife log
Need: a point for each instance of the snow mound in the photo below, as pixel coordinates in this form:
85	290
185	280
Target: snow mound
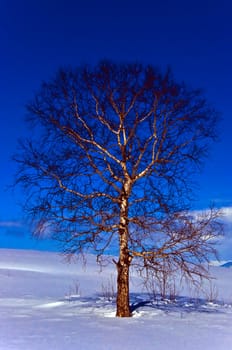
227	264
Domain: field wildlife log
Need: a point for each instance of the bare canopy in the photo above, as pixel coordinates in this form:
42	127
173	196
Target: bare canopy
110	164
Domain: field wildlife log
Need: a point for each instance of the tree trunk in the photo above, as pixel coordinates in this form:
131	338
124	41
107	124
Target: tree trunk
123	264
123	306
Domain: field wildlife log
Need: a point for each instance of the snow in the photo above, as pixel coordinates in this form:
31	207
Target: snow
46	303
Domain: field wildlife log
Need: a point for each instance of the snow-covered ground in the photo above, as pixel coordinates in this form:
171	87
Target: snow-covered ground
46	303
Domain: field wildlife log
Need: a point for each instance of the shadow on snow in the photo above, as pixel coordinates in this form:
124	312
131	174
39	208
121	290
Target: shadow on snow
141	301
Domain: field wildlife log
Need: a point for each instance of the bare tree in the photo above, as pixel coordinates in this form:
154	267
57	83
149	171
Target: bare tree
110	162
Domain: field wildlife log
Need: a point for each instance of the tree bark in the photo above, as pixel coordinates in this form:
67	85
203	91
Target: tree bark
123	264
123	305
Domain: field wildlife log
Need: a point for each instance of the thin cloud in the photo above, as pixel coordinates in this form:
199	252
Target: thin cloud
227	214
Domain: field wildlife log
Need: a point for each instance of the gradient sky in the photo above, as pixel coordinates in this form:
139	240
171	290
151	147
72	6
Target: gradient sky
39	36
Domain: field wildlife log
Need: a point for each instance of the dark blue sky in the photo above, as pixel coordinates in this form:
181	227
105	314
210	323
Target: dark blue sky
37	37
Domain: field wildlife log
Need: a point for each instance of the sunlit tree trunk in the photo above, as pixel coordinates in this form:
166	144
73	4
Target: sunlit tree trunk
123	264
123	307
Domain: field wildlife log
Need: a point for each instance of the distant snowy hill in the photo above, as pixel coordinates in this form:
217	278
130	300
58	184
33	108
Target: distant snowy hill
47	304
227	264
